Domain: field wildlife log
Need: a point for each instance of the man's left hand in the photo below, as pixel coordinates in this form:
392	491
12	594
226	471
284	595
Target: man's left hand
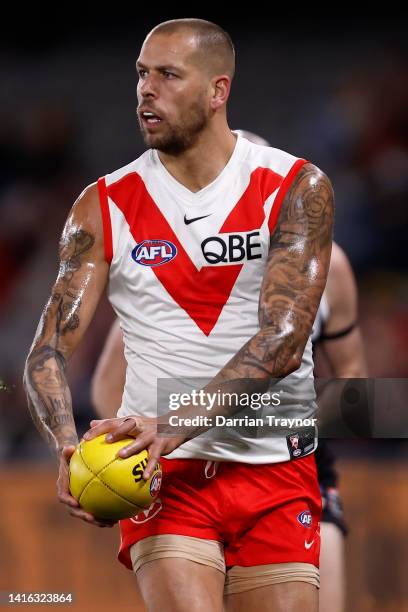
144	430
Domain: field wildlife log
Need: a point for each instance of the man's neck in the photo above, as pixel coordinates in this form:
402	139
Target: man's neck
200	165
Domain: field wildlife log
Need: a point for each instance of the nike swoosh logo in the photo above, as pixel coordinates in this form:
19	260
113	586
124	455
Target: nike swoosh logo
308	544
188	221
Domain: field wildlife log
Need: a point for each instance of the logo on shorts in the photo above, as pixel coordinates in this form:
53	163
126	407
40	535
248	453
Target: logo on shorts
155	484
294	441
305	518
148	513
154	252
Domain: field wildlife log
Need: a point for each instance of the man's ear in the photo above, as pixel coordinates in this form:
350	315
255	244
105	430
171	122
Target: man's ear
221	87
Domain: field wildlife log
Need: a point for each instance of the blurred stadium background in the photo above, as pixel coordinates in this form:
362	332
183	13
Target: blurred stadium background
333	91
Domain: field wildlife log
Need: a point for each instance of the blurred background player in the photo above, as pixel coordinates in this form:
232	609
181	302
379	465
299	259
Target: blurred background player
339	353
337	341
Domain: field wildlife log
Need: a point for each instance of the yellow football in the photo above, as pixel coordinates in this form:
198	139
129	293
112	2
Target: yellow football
111	487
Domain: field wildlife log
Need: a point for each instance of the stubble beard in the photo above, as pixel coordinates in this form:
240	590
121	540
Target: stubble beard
178	137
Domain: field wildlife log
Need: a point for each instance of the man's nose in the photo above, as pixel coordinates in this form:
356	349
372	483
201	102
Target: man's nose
147	88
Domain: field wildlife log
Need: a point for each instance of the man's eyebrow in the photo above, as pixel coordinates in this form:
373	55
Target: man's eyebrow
168	67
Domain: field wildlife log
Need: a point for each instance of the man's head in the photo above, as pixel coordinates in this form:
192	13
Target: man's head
185	71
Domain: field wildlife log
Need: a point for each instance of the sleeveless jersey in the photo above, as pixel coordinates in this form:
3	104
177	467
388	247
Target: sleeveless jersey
185	276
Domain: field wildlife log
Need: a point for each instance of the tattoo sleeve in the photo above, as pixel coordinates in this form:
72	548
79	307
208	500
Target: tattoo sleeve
293	283
49	397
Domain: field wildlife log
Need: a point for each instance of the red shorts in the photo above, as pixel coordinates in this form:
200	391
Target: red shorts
261	513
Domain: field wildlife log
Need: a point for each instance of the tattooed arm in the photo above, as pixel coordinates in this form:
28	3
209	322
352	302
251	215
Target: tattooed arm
81	279
293	283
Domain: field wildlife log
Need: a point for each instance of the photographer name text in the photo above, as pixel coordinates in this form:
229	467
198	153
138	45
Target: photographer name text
221	421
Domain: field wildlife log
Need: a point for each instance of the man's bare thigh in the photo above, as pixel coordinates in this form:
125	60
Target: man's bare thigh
180	585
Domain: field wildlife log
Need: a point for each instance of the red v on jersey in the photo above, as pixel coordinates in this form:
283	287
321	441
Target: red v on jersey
201	293
249	214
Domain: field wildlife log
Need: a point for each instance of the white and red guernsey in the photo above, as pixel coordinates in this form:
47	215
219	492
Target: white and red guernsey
185	275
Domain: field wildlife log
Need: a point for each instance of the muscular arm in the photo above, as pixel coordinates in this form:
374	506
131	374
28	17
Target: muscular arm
293	282
81	279
110	373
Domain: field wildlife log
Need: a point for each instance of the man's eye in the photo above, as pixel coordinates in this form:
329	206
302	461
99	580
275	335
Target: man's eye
142	73
168	75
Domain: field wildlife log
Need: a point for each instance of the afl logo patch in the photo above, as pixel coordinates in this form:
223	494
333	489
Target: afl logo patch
305	518
155	484
154	252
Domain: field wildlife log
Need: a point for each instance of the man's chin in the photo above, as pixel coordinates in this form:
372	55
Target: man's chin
152	141
172	146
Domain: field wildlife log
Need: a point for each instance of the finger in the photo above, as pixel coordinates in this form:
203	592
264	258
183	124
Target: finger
153	460
63	491
89	518
65	498
95	422
68	451
62	483
104	426
131	426
138	445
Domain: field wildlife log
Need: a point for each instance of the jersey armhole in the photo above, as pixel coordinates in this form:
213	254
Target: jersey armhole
106	221
283	189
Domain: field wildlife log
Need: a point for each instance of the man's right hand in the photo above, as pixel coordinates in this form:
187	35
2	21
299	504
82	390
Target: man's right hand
65	497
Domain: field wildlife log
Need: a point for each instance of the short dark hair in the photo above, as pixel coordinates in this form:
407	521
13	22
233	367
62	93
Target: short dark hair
213	42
